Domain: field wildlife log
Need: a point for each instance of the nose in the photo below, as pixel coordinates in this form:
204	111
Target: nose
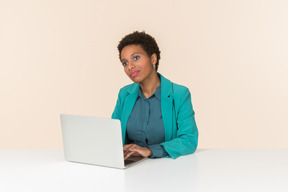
131	66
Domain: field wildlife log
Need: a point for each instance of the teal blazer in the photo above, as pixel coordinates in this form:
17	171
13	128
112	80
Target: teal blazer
181	133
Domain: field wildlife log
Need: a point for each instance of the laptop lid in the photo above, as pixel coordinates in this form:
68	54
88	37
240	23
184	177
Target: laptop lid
92	140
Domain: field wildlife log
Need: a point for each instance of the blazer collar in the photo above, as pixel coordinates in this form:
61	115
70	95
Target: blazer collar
166	86
133	89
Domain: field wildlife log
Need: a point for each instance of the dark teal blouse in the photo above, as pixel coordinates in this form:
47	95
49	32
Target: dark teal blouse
145	125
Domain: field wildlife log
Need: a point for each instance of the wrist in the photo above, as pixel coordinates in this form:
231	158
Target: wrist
149	151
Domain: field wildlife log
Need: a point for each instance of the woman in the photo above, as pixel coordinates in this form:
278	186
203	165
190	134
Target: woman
157	116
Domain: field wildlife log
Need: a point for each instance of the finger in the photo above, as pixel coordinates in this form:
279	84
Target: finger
128	150
125	147
141	151
132	152
128	154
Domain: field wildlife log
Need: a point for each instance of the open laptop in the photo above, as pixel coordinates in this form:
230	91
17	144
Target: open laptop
93	140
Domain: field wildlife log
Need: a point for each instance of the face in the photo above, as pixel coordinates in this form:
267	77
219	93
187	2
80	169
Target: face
138	66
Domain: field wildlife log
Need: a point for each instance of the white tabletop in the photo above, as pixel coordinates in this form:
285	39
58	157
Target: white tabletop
44	170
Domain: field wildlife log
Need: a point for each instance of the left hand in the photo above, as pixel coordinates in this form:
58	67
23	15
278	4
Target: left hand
135	150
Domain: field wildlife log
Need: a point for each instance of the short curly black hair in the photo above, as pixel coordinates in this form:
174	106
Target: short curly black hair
146	41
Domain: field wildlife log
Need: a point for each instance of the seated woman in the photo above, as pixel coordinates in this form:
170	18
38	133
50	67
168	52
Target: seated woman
156	115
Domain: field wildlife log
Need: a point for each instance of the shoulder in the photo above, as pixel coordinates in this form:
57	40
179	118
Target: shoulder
128	89
170	86
181	94
180	89
177	91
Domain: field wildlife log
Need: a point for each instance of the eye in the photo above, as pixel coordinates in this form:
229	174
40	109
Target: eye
137	57
125	63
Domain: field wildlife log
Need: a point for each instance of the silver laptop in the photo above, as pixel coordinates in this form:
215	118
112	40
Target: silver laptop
93	140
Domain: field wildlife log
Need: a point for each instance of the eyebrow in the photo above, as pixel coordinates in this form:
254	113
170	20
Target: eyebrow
131	55
135	53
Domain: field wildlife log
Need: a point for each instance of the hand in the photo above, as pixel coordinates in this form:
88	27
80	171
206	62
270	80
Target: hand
135	150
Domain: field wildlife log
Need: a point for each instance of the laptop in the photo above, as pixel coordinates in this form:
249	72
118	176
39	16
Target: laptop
95	141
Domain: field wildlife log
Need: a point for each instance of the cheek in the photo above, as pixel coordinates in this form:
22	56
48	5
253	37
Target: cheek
146	64
126	71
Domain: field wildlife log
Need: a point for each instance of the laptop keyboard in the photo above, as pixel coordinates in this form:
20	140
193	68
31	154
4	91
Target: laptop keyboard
132	159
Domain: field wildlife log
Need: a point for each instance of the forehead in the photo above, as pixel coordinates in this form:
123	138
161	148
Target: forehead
128	50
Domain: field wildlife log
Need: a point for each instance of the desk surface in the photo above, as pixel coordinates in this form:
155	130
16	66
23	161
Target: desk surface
206	170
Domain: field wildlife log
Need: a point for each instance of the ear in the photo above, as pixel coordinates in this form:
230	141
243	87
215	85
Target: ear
154	58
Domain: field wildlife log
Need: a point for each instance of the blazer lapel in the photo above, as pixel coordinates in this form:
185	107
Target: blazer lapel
128	107
167	106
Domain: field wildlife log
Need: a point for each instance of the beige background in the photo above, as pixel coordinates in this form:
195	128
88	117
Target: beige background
60	56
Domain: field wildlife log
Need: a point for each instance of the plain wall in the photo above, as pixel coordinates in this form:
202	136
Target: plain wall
60	56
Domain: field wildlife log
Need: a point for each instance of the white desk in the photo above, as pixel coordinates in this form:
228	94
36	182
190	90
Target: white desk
207	170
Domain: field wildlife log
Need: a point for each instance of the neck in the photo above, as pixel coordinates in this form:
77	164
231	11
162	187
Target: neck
150	84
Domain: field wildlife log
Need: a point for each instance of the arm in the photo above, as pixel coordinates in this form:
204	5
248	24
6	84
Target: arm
158	151
186	140
118	108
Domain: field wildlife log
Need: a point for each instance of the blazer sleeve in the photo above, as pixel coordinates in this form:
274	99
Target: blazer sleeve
118	108
186	139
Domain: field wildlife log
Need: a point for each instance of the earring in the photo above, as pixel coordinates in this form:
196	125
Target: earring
154	66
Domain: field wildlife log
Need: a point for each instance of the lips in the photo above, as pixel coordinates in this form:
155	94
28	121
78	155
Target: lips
134	73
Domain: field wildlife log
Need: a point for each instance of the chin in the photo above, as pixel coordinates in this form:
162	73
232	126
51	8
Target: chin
136	80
